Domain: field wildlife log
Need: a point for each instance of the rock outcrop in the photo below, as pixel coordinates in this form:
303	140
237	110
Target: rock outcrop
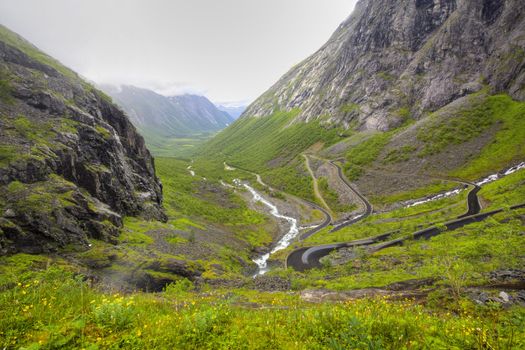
71	163
394	59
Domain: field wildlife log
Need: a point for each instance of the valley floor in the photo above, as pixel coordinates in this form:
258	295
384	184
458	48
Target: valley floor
462	289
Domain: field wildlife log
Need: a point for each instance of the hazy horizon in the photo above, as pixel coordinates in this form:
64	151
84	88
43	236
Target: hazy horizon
230	51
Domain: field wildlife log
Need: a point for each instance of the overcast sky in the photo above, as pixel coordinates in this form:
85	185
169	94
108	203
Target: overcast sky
228	50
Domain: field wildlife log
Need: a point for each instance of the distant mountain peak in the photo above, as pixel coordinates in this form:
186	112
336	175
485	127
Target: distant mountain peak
160	119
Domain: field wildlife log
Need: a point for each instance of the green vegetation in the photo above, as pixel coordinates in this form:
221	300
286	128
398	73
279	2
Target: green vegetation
332	198
401	154
350	107
271	147
40	197
38	132
434	188
403	114
466	125
177	240
208	225
43	305
8	154
45	302
496	121
505	192
133	232
386	76
184	224
106	134
181	197
256	143
402	221
479	248
41	134
5	92
507	145
67	125
293	179
174	146
364	154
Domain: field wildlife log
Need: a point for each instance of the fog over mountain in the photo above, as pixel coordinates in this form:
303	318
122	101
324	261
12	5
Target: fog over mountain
228	50
160	118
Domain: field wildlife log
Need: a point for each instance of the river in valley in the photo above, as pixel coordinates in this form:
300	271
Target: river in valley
284	242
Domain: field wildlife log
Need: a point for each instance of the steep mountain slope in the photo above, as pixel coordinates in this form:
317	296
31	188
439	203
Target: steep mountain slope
390	58
402	86
70	163
160	118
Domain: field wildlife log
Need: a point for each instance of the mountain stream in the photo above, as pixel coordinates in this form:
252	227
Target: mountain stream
284	242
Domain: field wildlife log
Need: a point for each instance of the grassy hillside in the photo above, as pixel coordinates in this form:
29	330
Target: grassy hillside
272	146
45	303
259	143
55	310
495	244
210	233
477	135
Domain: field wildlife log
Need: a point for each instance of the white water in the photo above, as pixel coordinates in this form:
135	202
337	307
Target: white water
262	261
350	219
436	197
488	179
495	177
191	171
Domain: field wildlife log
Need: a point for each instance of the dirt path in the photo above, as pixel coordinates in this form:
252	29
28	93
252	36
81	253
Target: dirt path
316	185
367	206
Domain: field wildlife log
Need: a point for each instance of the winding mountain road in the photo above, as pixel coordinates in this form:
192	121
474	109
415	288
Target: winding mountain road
366	204
474	207
309	257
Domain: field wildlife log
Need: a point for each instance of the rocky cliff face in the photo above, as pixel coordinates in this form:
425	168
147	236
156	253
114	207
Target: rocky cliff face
394	59
71	164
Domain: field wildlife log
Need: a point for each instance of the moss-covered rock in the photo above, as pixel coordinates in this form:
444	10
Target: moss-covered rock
70	161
